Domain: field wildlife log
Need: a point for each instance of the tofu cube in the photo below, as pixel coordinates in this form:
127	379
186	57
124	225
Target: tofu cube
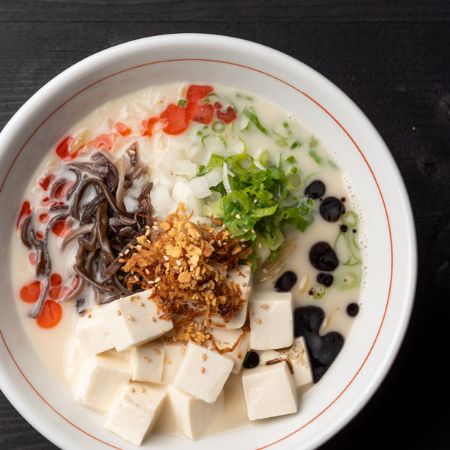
237	339
193	416
135	411
297	356
203	373
134	320
271	321
147	362
99	380
94	332
242	277
269	391
173	355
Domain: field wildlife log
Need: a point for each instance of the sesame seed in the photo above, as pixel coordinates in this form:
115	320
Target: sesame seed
157	280
127	250
178	263
238	216
204	356
166	258
130	317
202	370
142	389
258	321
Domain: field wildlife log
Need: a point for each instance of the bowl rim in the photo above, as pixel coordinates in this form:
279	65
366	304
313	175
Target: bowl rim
85	66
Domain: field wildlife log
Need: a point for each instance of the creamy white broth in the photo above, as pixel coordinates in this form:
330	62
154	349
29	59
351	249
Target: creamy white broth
158	153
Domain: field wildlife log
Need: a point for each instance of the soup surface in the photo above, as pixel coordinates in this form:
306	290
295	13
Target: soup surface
261	190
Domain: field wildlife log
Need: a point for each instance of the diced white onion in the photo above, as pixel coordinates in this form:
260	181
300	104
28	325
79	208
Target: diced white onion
214	177
200	187
226	181
161	200
184	167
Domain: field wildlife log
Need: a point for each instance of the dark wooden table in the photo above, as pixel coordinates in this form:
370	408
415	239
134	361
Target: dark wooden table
391	58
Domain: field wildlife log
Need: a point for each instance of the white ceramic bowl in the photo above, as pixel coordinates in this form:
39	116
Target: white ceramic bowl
389	281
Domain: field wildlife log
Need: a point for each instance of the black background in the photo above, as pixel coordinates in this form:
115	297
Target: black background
391	58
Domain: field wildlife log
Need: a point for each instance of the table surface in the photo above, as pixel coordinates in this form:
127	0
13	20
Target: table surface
391	58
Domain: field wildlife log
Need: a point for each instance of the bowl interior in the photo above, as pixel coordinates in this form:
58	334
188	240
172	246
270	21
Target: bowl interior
386	294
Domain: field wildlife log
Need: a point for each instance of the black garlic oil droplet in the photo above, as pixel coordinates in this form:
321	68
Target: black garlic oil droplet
331	209
286	281
251	360
323	257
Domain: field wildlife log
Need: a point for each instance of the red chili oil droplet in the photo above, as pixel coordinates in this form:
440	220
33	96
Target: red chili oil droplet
74	282
50	315
25	211
218	105
148	125
61	228
46	181
39	235
200	113
29	293
62	190
63	149
196	92
32	257
58	292
175	119
122	129
43	218
55	279
228	116
45	201
104	141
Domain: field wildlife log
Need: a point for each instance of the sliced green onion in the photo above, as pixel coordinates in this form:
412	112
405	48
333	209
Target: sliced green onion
182	102
315	156
218	126
246	97
318	292
332	164
347	251
264	158
313	143
253	118
291	160
282	142
348	280
350	218
295	144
